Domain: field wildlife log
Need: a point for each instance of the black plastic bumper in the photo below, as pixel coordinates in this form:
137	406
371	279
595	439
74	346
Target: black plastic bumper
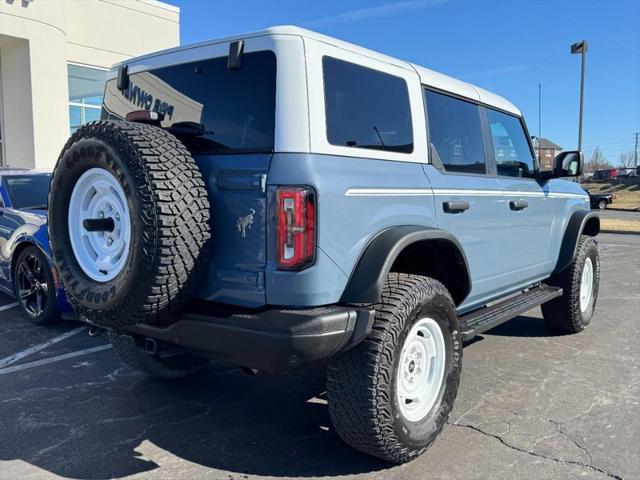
272	340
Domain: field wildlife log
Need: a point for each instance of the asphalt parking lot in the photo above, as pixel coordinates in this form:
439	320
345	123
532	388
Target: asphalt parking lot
531	405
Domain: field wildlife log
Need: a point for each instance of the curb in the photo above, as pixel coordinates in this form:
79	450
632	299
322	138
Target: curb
620	232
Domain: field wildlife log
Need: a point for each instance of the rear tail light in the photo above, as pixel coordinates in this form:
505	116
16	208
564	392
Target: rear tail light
296	227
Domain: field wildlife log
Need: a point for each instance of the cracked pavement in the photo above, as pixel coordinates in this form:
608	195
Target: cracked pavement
531	405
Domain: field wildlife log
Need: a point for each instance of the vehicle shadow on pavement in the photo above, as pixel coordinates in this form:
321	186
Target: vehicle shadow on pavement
126	423
523	326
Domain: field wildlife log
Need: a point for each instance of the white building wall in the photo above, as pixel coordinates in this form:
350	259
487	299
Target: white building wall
39	38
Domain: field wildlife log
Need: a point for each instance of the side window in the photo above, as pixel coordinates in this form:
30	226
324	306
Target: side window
366	108
455	132
513	155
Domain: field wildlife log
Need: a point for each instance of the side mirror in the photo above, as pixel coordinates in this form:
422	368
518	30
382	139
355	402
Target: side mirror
568	164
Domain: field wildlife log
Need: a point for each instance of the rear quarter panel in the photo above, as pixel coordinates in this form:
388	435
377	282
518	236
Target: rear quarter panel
356	199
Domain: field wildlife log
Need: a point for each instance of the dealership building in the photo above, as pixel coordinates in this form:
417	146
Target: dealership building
54	55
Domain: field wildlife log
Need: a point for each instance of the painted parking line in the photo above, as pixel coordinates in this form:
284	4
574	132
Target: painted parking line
41	346
8	306
57	358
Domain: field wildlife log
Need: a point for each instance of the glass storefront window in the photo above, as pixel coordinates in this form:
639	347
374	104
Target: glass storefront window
86	86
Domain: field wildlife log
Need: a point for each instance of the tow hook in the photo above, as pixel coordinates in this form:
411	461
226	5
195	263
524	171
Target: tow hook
95	331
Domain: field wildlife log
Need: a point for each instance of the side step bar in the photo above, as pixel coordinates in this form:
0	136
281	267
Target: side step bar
484	319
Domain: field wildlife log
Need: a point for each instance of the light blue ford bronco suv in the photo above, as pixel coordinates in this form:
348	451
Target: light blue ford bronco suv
282	198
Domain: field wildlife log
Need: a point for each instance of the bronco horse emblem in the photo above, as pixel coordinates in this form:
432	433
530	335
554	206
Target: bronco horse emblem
244	223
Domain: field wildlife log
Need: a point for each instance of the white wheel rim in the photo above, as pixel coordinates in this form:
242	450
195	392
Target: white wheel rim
586	285
421	369
98	195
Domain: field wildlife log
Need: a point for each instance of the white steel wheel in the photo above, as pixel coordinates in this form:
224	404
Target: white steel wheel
420	369
101	249
586	285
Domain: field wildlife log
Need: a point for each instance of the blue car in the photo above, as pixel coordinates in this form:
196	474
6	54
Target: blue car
26	267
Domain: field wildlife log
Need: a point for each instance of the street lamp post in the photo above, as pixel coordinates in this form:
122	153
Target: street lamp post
580	47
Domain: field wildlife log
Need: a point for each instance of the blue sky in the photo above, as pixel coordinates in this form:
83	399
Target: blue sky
508	47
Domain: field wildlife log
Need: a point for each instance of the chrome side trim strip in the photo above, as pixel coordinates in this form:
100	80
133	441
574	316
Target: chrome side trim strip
409	192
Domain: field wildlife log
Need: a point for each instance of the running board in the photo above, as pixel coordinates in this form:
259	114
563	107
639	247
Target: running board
484	319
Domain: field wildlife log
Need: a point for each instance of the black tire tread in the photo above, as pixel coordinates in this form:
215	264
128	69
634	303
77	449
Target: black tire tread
174	218
51	313
563	313
359	381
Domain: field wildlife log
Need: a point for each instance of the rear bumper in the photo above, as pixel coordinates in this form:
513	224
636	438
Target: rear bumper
273	340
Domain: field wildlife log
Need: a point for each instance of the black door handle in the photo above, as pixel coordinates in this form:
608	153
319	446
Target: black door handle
456	206
518	204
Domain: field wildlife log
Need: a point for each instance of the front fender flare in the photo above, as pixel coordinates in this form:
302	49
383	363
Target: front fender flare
582	221
368	277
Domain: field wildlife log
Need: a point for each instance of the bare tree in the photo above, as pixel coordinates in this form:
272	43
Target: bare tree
597	161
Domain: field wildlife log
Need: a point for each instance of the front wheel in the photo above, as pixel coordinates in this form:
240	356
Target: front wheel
602	204
573	311
34	286
391	395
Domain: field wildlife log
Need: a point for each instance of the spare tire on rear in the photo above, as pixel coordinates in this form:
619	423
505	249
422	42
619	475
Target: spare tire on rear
128	223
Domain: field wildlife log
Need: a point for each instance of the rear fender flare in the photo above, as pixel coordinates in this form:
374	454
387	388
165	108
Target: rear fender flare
368	277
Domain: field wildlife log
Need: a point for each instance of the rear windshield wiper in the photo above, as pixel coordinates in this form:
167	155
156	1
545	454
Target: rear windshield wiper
189	128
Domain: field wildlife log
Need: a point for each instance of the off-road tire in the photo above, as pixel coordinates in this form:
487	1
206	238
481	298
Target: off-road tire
169	211
563	314
167	367
361	382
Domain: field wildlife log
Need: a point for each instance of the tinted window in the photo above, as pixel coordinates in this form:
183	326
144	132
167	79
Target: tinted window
28	191
366	108
455	132
513	155
212	109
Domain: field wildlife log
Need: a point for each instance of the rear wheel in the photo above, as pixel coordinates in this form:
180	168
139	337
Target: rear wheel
602	204
34	286
391	395
573	311
128	223
164	364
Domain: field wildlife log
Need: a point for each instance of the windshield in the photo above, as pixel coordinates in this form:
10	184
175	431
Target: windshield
211	108
28	192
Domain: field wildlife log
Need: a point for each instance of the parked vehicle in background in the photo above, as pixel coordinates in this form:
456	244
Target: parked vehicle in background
354	208
628	173
606	174
601	200
26	268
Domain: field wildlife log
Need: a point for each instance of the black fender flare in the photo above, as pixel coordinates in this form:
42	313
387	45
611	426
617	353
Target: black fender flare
367	278
581	222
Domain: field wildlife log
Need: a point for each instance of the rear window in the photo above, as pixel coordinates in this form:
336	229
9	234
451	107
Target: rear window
28	191
366	108
212	109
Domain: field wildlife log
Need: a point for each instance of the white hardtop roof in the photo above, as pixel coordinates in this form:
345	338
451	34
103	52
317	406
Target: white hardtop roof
427	77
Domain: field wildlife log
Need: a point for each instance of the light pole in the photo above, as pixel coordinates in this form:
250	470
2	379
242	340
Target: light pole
580	47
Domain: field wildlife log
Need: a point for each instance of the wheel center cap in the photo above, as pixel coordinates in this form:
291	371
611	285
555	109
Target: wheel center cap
412	366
